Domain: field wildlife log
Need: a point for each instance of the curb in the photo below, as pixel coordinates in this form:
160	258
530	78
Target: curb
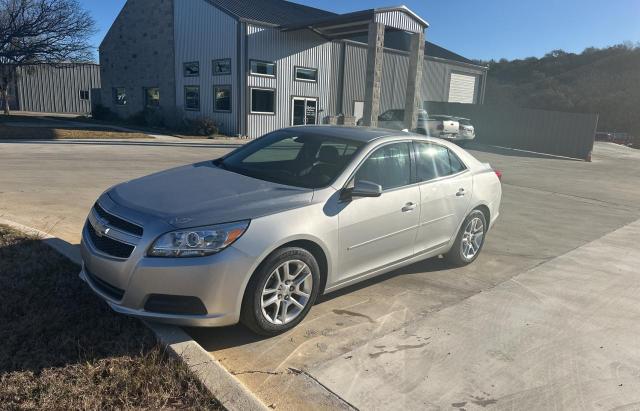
225	387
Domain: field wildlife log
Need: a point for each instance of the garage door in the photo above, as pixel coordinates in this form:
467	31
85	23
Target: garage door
462	88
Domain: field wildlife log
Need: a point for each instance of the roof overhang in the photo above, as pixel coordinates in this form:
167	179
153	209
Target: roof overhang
357	22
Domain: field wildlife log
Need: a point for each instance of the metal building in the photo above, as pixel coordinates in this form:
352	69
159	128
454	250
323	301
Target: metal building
55	88
258	66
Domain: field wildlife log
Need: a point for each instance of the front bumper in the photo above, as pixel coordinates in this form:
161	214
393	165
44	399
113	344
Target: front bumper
218	281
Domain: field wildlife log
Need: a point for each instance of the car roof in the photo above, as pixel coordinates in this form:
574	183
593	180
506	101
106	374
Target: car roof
360	134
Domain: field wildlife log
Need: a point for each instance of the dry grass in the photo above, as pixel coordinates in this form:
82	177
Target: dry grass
62	348
50	133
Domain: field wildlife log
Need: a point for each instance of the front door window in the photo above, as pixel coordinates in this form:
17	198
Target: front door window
304	111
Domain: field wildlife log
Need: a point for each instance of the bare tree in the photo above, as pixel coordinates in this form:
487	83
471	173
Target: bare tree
41	31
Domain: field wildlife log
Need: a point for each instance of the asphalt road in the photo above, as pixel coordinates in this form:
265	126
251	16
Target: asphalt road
550	207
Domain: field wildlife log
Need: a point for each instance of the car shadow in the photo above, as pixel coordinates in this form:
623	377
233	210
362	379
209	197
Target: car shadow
512	152
214	339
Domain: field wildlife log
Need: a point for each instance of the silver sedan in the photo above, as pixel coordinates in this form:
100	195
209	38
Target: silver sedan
258	235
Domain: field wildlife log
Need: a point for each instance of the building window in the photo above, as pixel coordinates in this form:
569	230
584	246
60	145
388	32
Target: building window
221	67
222	98
263	68
191	69
192	98
306	74
152	97
84	94
120	96
263	101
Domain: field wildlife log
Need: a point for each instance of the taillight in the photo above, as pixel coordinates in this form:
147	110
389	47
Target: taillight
499	174
440	127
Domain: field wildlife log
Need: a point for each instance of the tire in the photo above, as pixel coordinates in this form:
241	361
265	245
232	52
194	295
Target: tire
459	255
270	321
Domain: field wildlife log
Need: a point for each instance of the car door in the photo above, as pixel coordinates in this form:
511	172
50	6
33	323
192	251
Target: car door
378	231
445	191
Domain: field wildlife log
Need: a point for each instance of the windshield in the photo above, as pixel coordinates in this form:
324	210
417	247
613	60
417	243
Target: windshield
292	158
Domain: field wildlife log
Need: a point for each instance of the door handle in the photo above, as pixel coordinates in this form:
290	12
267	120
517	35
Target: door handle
460	193
408	207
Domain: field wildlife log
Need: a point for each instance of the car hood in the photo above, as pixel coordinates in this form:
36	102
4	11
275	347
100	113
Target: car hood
203	194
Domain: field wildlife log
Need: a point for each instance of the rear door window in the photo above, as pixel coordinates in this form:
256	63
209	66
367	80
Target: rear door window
434	161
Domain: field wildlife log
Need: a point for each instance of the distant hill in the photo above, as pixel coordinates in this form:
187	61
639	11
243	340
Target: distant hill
604	81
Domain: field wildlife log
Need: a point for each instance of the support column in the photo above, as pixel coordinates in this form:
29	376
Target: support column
373	81
413	97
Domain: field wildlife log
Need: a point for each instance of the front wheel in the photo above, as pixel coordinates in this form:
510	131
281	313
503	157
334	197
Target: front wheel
469	240
281	292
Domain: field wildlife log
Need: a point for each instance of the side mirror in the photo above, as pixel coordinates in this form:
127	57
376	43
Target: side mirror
362	189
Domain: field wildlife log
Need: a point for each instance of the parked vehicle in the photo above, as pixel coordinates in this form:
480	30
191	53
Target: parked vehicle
604	136
257	235
443	126
466	131
432	125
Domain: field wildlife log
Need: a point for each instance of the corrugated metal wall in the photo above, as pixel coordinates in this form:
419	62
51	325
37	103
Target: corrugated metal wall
399	20
204	33
287	50
56	88
434	83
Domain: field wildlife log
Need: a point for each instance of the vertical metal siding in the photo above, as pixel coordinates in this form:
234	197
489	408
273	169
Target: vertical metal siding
204	33
399	20
355	65
287	50
56	88
395	70
434	81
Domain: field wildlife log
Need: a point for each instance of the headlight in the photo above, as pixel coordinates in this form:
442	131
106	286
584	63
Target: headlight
198	242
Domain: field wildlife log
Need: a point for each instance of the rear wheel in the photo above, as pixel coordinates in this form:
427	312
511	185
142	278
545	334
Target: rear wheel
469	240
281	292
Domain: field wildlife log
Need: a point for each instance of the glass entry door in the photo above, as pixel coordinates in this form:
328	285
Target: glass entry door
304	110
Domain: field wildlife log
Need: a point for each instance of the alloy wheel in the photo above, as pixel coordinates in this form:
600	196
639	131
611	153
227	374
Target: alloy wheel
472	238
286	292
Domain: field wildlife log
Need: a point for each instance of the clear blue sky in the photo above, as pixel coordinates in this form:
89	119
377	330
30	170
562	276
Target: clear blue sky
486	29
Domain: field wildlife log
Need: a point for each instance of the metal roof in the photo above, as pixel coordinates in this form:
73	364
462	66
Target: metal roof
274	12
293	16
433	50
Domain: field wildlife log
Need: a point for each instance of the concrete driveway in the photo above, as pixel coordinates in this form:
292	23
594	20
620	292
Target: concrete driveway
551	207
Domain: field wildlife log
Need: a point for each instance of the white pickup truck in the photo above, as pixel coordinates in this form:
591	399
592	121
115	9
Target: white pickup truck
432	125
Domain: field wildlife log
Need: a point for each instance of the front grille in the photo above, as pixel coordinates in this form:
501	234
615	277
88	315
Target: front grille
118	222
108	245
105	287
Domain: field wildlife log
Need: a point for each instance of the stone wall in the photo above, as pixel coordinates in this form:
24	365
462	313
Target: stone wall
138	52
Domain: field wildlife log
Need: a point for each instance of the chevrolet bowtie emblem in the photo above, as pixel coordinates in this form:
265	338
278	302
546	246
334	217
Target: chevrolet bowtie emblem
101	226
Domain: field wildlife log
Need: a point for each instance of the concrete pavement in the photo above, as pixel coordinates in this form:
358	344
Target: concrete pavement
561	336
550	207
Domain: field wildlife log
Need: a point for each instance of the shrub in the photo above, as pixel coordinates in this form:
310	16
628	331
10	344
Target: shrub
147	117
100	112
202	126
